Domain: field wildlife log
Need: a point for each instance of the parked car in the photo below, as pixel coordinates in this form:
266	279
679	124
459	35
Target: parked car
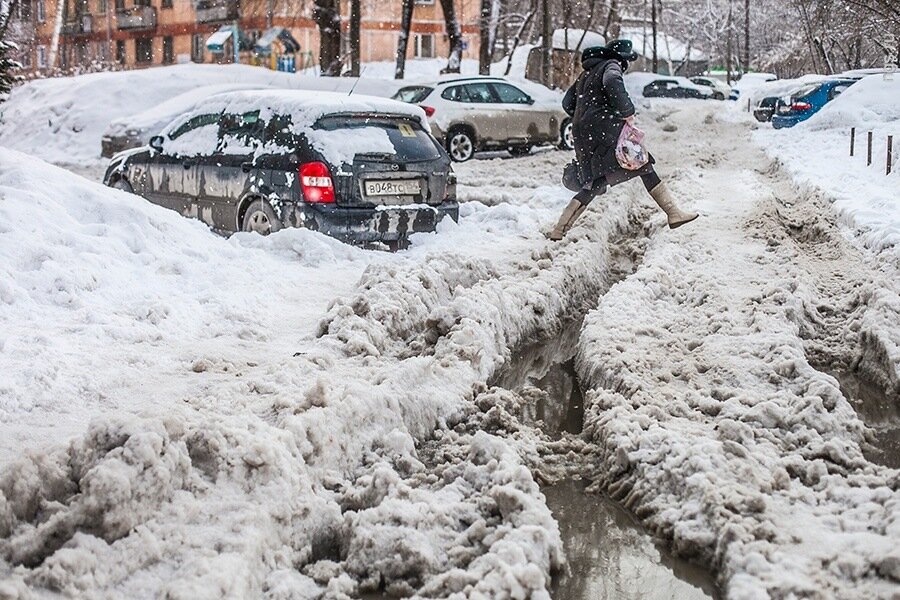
749	81
765	109
358	168
136	130
469	114
720	89
807	101
676	87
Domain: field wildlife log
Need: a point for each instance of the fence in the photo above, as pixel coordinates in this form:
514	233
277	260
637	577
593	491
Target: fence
889	149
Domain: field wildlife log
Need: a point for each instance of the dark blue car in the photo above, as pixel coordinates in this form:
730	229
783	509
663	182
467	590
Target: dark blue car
807	101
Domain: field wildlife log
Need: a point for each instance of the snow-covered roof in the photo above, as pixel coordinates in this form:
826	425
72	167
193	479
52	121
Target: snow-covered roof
304	106
667	47
571	39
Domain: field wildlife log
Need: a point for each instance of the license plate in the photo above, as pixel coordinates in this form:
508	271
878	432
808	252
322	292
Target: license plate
393	187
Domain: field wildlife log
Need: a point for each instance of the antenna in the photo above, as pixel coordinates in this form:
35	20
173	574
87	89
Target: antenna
363	70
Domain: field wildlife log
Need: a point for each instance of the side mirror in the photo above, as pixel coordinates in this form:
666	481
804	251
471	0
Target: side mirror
156	142
529	101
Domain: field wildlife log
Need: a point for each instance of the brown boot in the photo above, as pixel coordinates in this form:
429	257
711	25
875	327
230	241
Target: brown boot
568	217
675	215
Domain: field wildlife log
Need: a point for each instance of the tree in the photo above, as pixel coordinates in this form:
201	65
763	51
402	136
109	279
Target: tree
454	34
355	17
7	64
403	43
327	15
655	61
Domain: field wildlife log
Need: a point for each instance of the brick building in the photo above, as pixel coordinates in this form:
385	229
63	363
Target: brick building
139	33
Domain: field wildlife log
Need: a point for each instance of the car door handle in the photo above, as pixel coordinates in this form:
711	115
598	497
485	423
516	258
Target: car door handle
246	166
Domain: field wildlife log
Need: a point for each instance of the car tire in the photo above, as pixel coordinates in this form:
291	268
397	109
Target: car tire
460	144
122	184
718	96
261	218
566	137
519	150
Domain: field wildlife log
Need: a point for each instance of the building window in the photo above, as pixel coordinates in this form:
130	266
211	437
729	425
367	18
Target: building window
166	3
120	52
120	5
168	50
41	12
26	59
425	45
101	7
143	50
42	57
424	1
25	10
197	43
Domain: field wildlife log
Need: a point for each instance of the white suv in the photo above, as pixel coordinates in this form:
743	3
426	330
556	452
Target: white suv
468	114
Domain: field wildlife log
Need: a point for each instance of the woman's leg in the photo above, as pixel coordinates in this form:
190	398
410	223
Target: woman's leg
674	215
576	206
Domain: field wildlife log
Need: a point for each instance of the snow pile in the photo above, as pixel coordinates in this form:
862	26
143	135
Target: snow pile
707	418
817	152
263	480
62	119
576	40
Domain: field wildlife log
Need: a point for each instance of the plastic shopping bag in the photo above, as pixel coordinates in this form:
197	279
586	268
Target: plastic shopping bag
630	151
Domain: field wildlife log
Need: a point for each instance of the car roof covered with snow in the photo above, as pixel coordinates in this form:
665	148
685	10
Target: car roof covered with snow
304	107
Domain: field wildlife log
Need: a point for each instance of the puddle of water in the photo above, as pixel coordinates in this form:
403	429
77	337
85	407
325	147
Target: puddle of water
878	411
610	556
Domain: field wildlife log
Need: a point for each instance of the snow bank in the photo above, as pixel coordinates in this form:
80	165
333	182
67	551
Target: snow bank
293	471
817	152
576	40
62	119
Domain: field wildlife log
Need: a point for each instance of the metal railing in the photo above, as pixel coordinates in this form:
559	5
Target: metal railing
136	17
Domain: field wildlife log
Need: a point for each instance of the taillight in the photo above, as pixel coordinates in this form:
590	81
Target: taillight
801	106
429	110
316	183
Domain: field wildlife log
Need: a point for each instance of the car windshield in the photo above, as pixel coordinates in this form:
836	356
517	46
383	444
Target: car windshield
413	95
402	138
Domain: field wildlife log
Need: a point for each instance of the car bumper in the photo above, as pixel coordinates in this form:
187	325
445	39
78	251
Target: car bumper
362	225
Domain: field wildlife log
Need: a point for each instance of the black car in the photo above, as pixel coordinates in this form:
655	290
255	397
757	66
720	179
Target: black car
356	168
765	109
674	88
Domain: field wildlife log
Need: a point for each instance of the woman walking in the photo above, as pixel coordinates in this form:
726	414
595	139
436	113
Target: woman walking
599	106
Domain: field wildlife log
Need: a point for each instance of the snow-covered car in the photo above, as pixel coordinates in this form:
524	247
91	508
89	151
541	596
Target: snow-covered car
469	114
807	101
676	87
748	82
720	89
357	168
136	130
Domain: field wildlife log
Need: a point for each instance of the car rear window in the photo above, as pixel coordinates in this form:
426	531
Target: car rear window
413	95
402	138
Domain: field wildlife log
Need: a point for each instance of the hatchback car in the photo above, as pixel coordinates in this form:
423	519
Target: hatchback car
488	113
357	168
720	89
807	101
676	87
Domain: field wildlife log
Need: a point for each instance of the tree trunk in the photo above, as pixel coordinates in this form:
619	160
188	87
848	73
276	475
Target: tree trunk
518	38
403	42
613	21
746	35
546	45
454	34
355	17
654	64
327	14
728	45
484	39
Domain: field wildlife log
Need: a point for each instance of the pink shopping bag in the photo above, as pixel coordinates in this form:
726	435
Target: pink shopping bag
630	150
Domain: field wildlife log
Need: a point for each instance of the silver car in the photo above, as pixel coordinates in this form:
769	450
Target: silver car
469	114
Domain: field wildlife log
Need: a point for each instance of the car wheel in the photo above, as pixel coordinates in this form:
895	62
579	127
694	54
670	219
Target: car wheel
519	150
460	145
566	137
718	96
261	218
122	184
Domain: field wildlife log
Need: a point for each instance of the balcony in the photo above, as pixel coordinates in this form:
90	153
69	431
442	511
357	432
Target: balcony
80	25
212	11
136	17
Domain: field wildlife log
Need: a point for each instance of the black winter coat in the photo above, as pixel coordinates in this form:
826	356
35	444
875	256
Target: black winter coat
598	104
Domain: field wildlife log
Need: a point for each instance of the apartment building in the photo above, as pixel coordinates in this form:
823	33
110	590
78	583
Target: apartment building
140	33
